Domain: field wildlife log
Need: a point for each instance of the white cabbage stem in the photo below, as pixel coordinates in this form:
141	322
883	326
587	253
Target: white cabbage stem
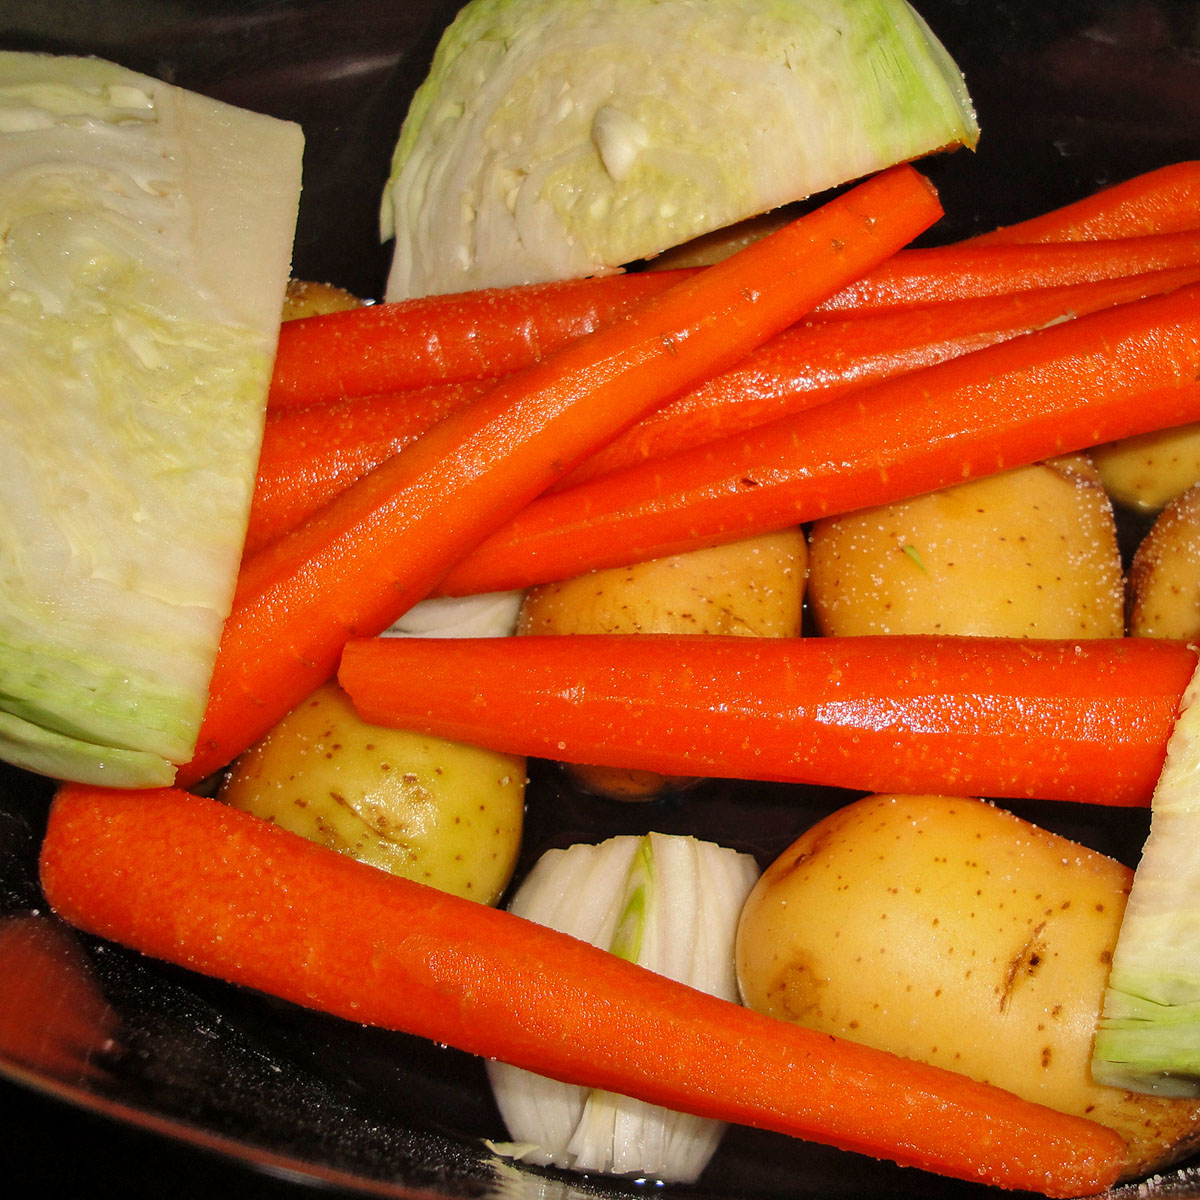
670	904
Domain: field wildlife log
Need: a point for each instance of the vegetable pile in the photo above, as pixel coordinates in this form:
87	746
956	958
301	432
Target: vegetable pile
1086	721
299	599
544	432
263	908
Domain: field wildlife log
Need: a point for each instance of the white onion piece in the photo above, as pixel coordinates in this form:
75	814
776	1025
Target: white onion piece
671	904
490	614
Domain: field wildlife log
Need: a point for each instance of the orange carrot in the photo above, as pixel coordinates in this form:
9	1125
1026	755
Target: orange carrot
189	880
820	360
309	455
446	339
956	272
476	335
1125	370
1164	200
380	546
1002	717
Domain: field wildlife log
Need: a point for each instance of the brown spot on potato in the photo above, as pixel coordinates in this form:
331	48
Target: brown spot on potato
343	793
797	991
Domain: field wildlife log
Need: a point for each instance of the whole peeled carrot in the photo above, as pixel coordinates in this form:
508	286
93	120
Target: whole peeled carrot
186	879
1164	200
999	717
364	559
310	454
446	339
1125	370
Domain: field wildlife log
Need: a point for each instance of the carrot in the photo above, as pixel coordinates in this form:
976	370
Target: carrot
820	360
446	339
1128	369
1164	200
1000	717
309	455
965	269
380	546
476	335
189	880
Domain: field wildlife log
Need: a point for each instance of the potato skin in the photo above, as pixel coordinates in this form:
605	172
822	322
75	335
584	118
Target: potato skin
439	812
305	298
950	931
1164	577
1031	552
710	248
1145	473
752	588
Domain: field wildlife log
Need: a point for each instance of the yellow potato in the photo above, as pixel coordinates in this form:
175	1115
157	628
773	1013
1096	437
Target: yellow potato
952	932
435	811
1147	472
1164	577
752	588
1031	552
307	299
713	247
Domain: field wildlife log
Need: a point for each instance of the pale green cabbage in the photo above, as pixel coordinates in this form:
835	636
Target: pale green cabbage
1149	1034
553	140
145	242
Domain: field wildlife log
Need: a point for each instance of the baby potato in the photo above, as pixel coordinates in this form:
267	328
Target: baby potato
952	932
1031	552
1146	472
752	588
718	245
439	812
1164	577
307	299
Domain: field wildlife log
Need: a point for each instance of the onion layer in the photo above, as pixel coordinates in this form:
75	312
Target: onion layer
671	904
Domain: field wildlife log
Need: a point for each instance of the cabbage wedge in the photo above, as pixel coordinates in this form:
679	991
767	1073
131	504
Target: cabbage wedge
552	140
146	246
1148	1039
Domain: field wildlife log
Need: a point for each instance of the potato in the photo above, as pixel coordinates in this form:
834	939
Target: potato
1030	552
753	588
435	811
951	931
713	247
1164	576
306	299
1147	472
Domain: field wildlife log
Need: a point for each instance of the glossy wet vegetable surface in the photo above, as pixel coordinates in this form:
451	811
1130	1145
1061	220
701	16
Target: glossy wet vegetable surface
1070	96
